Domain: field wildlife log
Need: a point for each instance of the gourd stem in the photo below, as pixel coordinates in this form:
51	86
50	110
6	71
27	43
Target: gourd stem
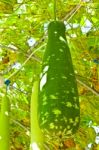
55	10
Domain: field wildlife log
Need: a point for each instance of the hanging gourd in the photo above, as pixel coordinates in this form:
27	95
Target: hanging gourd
4	122
36	134
58	104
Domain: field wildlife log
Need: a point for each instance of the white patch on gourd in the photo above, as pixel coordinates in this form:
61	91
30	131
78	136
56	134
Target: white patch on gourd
34	146
45	103
52	78
0	137
57	112
73	90
6	113
57	59
44	98
63	77
75	99
61	50
43	121
52	126
55	32
53	55
68	104
45	69
71	74
53	97
43	81
76	106
62	39
67	92
76	121
65	119
71	120
46	114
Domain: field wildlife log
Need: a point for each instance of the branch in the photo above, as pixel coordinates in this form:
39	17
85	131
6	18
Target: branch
89	88
19	124
15	50
35	58
14	73
8	47
26	93
72	12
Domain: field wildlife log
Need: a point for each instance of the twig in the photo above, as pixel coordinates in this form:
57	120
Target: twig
72	13
19	124
14	73
89	88
35	58
8	47
26	93
15	50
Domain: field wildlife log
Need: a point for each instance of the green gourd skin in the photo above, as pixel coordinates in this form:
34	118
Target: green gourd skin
58	104
5	124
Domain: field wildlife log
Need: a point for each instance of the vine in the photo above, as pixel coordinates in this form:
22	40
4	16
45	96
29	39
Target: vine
55	10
